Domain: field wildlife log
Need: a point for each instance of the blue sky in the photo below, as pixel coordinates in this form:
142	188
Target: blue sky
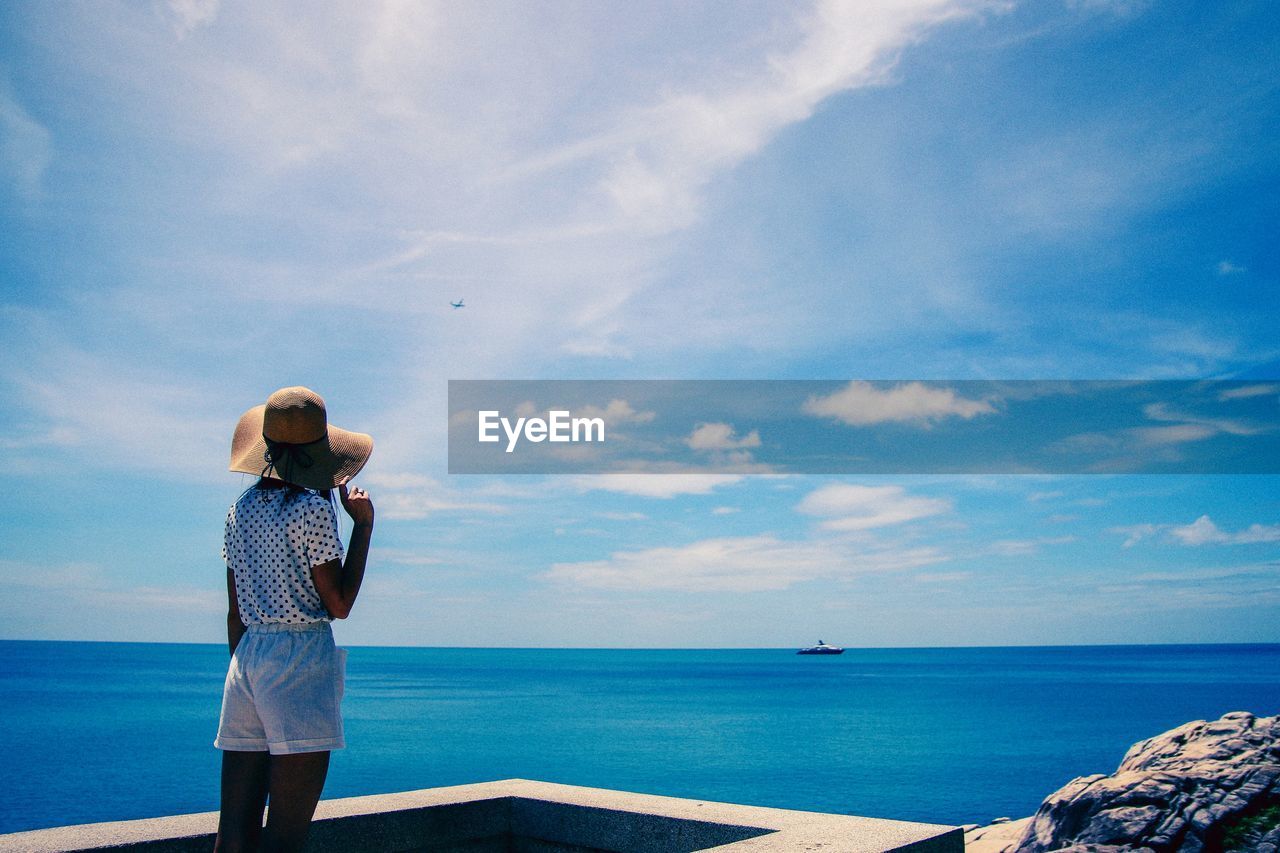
204	201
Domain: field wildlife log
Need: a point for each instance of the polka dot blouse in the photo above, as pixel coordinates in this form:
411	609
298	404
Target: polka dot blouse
273	538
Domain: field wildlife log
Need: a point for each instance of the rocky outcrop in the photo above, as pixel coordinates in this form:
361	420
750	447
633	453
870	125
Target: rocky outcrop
1205	786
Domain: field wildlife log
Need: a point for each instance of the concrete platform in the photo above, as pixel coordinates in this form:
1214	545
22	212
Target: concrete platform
523	816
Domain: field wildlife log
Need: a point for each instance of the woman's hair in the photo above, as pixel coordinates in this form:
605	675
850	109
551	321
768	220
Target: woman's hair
292	491
285	458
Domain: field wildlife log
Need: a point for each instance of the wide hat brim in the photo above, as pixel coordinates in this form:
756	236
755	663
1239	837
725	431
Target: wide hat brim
331	461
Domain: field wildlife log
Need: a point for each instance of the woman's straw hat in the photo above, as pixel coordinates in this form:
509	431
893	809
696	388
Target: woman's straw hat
290	439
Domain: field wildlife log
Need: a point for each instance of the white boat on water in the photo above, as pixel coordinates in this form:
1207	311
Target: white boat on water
821	649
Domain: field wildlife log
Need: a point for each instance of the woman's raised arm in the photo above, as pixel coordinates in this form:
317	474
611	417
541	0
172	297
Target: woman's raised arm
338	582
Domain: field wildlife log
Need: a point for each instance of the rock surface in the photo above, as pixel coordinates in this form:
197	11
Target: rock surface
996	838
1204	786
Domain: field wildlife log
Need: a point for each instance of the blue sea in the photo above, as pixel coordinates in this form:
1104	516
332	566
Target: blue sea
109	731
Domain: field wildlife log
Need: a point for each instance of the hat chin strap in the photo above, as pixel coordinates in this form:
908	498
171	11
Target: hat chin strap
290	455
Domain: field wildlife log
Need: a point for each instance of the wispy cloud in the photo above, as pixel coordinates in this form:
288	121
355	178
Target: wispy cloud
738	564
1163	412
941	577
1023	547
855	507
623	516
1226	267
404	556
88	585
152	599
142	420
190	15
61	576
26	147
1249	391
605	200
408	497
656	162
1135	533
1130	447
1212	587
656	485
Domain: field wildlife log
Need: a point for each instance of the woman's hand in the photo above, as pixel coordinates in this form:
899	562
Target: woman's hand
357	504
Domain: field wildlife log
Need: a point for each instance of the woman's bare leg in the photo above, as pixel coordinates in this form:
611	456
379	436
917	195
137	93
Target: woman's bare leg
244	794
295	784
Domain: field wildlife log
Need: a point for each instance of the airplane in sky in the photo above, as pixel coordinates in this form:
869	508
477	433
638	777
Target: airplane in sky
458	304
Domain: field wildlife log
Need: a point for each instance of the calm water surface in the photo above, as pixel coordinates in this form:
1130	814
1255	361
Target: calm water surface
109	731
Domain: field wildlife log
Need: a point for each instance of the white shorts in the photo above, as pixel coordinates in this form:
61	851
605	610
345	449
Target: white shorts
283	692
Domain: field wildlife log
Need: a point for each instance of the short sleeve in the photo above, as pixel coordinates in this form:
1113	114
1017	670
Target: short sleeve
322	540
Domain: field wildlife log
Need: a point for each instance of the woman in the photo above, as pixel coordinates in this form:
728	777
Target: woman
287	579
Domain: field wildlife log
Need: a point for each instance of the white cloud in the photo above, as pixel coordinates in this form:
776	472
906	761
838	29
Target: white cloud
1199	532
86	586
656	485
403	556
1135	533
725	510
190	15
1024	547
160	598
63	576
1203	531
1162	412
862	404
55	437
26	148
737	564
719	436
855	507
1226	267
659	158
1162	436
1247	391
941	577
123	418
1134	444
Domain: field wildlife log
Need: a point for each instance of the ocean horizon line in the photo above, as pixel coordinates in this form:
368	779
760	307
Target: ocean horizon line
1023	646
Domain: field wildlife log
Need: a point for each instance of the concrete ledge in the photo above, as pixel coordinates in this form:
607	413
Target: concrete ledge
524	816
